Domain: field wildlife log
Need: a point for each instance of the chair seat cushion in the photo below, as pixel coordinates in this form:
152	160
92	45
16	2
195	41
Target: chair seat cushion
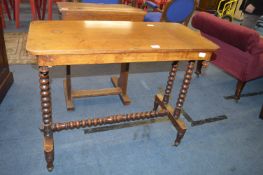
153	17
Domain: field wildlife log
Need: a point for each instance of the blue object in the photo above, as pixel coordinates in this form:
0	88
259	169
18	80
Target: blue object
153	17
175	11
151	4
102	1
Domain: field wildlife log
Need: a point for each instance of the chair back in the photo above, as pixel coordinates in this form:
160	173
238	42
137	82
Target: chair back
102	1
179	11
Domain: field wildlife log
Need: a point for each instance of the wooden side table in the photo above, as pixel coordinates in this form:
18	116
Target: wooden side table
104	12
55	43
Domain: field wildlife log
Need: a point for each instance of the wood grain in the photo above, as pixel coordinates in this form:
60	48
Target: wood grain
107	12
99	42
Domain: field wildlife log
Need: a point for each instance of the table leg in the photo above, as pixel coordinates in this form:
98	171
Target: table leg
46	116
67	89
181	98
163	100
169	86
122	82
199	66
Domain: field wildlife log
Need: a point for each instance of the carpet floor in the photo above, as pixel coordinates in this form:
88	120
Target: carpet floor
232	146
16	48
228	147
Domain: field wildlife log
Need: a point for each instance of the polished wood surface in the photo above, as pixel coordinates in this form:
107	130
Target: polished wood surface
107	12
69	42
6	77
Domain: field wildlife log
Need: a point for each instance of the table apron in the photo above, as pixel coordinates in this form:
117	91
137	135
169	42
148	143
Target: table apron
56	60
103	15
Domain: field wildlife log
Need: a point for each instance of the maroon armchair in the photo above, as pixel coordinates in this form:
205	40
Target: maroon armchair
241	49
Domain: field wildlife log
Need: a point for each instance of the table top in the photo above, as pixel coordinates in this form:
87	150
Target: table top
75	6
107	12
55	38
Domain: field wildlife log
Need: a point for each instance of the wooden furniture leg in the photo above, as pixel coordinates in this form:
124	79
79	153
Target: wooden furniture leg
17	12
261	113
46	116
7	9
122	83
169	86
34	9
239	87
2	16
181	99
50	11
199	66
44	9
37	5
67	89
163	100
120	88
170	82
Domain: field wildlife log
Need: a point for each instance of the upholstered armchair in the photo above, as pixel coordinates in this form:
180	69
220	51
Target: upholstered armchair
241	48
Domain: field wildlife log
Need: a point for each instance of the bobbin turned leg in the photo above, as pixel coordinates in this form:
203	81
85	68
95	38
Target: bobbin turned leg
155	105
169	86
46	116
180	135
181	99
170	82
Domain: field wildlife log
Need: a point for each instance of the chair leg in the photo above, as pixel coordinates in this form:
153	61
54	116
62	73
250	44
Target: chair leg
239	87
139	3
50	2
199	66
7	9
37	8
33	10
2	17
44	9
11	2
17	12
